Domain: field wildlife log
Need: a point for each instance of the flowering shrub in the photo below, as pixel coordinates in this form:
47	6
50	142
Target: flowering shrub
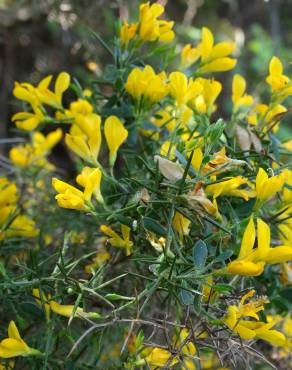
171	247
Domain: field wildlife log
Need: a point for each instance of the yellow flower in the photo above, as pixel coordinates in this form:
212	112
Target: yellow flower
181	224
146	84
188	350
182	89
119	241
230	187
8	192
214	58
11	223
20	226
189	55
41	94
152	29
14	345
54	99
101	257
265	117
251	261
128	32
63	310
168	150
239	98
266	186
73	198
28	121
164	118
34	154
115	135
158	357
248	329
90	179
204	102
85	137
79	107
276	79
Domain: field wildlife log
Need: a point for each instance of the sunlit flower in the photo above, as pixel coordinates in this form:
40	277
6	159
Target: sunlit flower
14	345
230	187
118	241
189	55
239	97
34	154
115	134
146	84
60	309
152	29
251	261
266	186
214	58
181	224
182	89
85	137
280	84
248	329
205	102
72	198
128	32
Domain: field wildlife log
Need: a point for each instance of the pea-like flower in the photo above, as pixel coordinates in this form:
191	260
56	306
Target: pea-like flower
60	309
146	84
239	97
115	134
118	241
248	329
72	198
14	345
251	261
215	58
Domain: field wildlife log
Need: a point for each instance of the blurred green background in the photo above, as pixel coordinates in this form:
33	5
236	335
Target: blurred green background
42	37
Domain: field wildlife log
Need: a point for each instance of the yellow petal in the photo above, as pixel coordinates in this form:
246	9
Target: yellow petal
261	179
78	145
62	83
275	67
238	88
206	44
247	240
222	49
11	348
264	238
218	65
13	331
279	254
115	135
245	268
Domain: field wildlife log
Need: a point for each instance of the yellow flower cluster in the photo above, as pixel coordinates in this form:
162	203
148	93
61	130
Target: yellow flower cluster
213	57
37	97
34	154
248	329
149	28
12	222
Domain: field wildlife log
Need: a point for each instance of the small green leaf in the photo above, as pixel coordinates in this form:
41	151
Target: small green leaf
186	297
152	225
200	252
223	256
